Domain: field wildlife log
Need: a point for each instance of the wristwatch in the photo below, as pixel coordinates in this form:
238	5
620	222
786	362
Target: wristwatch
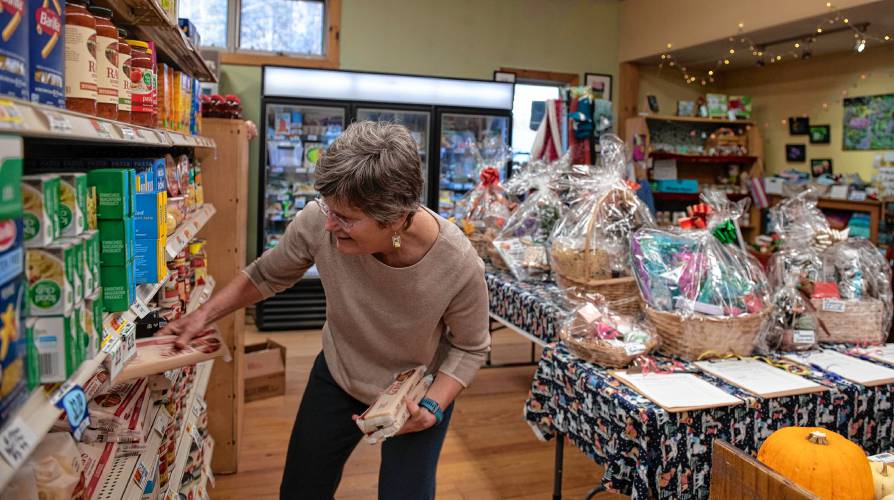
434	408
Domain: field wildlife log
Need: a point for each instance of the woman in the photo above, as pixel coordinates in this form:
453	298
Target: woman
403	288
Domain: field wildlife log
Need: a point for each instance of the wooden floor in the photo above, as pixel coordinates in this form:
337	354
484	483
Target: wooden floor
489	453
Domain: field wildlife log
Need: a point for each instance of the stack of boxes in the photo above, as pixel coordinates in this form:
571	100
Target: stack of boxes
12	283
150	221
115	196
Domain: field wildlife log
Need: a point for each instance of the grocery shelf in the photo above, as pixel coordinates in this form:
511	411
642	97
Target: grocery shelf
147	20
697	119
203	374
662	155
200	295
46	122
188	229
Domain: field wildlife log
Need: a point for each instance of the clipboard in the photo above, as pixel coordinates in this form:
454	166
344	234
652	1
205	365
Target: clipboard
847	367
884	354
692	388
788	384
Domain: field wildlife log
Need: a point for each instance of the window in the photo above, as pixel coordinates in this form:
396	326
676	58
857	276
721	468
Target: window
285	27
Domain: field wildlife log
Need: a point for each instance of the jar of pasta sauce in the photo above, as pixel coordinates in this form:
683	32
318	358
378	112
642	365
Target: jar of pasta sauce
106	63
80	58
123	76
141	78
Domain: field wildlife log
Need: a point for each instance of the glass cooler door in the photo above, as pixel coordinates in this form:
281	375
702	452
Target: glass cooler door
418	122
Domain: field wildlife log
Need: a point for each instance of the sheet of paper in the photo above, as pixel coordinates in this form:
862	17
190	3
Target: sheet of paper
883	353
850	368
677	391
759	378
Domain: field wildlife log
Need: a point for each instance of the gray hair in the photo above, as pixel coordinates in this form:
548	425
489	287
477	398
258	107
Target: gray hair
374	167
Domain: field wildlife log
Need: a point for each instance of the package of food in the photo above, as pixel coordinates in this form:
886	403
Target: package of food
116	237
46	53
388	419
114	192
118	286
57	466
798	217
791	324
159	354
40	197
79	257
595	333
51	278
112	409
389	408
13	383
14	49
56	343
93	257
72	212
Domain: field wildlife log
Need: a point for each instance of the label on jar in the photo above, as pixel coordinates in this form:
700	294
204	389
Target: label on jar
141	90
124	88
80	61
107	70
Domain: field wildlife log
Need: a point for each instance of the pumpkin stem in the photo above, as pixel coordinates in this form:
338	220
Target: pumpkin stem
817	437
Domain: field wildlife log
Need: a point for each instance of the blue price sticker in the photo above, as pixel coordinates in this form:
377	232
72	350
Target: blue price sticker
74	402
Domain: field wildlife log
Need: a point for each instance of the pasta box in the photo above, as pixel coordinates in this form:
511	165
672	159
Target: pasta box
114	191
116	239
12	257
50	272
149	260
150	212
78	270
92	253
117	287
32	363
89	276
40	199
46	54
72	203
10	177
55	340
13	389
93	323
265	371
14	49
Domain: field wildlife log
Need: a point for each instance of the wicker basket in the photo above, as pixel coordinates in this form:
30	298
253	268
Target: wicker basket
621	294
601	352
692	337
481	243
860	323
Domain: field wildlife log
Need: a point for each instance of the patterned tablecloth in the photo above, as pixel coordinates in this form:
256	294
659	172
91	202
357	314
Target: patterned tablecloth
643	447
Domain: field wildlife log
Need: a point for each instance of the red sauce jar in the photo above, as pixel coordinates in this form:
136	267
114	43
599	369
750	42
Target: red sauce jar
80	58
141	78
106	63
123	77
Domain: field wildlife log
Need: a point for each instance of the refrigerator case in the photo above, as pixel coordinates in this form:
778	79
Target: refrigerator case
462	136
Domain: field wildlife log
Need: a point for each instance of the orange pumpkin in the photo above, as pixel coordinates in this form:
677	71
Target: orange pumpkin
820	461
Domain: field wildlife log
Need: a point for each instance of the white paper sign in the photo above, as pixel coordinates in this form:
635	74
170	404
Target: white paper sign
162	421
804	337
758	377
17	441
850	368
834	305
678	391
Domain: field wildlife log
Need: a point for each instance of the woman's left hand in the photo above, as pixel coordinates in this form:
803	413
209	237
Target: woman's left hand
420	419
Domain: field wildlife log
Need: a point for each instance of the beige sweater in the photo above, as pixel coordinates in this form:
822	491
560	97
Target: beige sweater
381	320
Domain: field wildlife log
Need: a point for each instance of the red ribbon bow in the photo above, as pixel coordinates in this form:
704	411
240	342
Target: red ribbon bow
490	176
698	217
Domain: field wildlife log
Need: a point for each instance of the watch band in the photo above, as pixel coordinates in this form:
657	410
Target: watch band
434	408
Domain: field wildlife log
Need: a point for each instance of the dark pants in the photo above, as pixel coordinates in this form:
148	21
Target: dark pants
325	435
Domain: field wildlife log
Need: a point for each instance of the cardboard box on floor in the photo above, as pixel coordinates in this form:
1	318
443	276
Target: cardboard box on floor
265	371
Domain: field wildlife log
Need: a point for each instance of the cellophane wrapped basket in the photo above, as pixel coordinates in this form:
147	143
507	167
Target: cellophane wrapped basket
862	312
791	324
483	211
705	298
595	333
590	245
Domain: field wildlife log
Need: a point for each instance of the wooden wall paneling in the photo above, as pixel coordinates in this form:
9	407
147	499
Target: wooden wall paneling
628	93
572	79
225	180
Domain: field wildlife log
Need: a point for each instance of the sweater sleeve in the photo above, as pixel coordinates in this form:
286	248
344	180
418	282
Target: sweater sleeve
467	320
282	266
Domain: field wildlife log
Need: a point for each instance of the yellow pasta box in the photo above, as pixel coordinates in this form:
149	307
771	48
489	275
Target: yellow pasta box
73	203
40	197
12	348
51	273
55	340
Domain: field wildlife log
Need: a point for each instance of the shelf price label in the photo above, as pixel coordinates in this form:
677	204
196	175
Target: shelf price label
57	122
10	117
140	475
162	421
16	442
196	435
140	309
103	129
127	133
74	402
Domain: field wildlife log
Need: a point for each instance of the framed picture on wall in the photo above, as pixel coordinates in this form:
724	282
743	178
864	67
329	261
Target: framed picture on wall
600	83
795	152
798	125
820	166
819	134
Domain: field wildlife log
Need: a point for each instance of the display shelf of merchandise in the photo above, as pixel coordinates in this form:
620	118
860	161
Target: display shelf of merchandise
697	119
203	374
200	295
188	229
39	121
147	20
663	155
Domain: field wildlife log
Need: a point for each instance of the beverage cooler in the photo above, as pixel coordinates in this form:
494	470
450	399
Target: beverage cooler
304	110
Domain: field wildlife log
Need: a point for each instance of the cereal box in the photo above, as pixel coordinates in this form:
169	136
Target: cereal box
73	203
47	52
12	348
40	197
55	339
51	274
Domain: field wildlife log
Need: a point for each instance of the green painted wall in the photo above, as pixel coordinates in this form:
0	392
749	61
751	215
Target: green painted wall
460	38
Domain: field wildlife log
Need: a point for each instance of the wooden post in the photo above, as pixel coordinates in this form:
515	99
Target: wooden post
628	95
738	476
225	181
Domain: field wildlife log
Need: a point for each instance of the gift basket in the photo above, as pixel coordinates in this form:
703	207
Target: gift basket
483	211
796	255
522	243
590	245
799	216
595	333
791	323
706	298
853	302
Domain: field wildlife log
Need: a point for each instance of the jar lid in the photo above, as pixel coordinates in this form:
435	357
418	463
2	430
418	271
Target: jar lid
138	43
100	11
122	32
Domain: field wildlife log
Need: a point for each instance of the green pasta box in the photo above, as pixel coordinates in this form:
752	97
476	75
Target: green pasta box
93	322
10	177
117	287
32	361
114	187
116	238
80	264
72	203
55	339
51	275
89	277
80	322
93	256
40	198
12	358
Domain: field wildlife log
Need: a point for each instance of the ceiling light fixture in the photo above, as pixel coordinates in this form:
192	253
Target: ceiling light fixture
860	46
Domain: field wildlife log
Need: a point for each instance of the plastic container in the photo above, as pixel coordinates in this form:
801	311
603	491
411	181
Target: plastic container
46	61
80	58
107	72
124	52
14	50
153	55
141	84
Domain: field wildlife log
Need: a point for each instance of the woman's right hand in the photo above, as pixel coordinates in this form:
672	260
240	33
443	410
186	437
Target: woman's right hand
186	328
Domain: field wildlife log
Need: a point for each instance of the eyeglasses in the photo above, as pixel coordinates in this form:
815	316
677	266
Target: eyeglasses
345	224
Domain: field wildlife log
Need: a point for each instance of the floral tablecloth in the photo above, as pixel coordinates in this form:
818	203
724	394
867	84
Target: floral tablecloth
643	447
533	307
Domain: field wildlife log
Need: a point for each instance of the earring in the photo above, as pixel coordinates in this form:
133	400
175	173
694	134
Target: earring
395	240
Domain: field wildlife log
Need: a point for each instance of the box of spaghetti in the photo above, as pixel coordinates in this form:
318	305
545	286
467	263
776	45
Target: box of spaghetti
51	278
13	391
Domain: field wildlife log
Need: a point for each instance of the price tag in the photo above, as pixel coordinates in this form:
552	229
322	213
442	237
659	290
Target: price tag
140	475
127	133
10	118
142	135
196	436
833	305
58	122
103	129
162	138
804	337
140	309
634	349
129	341
162	421
110	343
74	402
17	441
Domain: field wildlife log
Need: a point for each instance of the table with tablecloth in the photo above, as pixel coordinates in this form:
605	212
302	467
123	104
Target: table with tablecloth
644	448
